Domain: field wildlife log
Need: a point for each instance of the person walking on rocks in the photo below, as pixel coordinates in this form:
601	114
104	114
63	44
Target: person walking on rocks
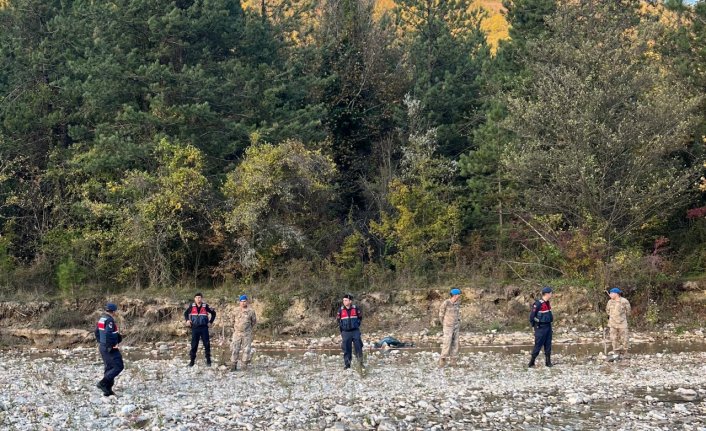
618	309
244	322
108	337
450	319
541	320
349	318
196	316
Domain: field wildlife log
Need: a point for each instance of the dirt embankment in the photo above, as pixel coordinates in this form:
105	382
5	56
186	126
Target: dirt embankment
499	308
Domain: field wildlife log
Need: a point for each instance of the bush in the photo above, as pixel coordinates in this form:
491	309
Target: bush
58	318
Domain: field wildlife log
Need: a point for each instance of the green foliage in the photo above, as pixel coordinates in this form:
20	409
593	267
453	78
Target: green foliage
276	193
148	143
447	51
596	141
69	276
423	227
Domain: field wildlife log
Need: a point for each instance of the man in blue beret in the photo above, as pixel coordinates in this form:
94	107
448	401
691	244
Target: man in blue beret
244	321
541	319
450	319
618	310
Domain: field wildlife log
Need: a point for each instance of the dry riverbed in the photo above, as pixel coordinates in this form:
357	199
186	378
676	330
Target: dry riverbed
399	390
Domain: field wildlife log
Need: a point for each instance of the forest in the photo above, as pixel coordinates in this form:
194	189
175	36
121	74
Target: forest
333	145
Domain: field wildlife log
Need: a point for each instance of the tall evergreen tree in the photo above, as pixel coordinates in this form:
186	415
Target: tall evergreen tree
445	55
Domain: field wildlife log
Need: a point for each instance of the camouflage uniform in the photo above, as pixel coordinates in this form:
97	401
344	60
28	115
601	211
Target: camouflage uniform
450	318
618	311
243	323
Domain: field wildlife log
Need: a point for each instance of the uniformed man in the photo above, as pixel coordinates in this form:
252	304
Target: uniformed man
541	320
244	322
618	309
197	317
349	318
108	336
450	319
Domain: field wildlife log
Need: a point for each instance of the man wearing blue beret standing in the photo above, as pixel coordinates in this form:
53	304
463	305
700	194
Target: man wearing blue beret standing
541	320
244	321
450	319
108	337
618	309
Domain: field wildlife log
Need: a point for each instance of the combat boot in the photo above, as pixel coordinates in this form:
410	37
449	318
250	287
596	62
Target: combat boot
191	363
103	386
234	367
208	362
110	388
548	360
442	362
531	362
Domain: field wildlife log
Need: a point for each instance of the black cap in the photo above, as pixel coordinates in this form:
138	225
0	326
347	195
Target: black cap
348	296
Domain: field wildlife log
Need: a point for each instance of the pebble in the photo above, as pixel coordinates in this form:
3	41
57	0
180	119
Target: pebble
401	391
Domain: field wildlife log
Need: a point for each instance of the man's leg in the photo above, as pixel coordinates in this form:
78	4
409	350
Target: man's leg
194	345
358	345
453	353
235	354
116	368
346	341
446	345
548	347
103	383
247	350
614	340
206	345
623	340
538	344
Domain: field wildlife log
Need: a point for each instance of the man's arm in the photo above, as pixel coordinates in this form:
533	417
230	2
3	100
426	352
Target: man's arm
253	319
442	312
360	314
627	308
533	314
112	336
213	314
186	314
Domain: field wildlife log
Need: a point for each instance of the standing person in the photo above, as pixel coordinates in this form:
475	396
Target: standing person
541	320
450	319
108	336
618	309
196	316
244	322
349	318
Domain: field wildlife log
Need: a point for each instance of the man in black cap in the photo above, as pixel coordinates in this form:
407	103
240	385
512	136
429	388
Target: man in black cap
197	317
108	337
349	319
541	320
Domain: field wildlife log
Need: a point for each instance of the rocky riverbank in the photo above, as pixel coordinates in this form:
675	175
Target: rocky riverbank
399	390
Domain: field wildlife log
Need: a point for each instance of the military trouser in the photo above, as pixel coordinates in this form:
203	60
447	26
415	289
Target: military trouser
350	339
542	339
450	342
200	333
241	348
619	339
113	361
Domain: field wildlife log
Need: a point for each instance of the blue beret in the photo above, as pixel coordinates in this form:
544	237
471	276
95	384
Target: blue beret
546	289
616	290
111	307
243	297
455	291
